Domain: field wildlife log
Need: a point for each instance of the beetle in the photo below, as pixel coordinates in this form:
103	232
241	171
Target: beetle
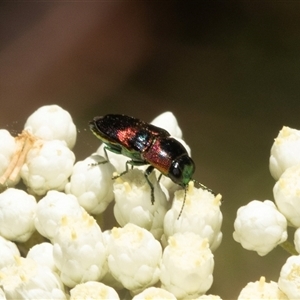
145	144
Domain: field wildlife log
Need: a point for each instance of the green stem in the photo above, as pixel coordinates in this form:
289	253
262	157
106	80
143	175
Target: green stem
289	247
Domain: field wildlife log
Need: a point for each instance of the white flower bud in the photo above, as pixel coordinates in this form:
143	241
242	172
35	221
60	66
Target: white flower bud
108	278
154	293
286	195
133	257
51	122
8	251
261	290
93	290
187	266
17	210
79	252
38	294
92	184
297	240
209	297
285	151
288	281
43	255
26	279
168	121
7	149
260	227
2	295
133	202
51	209
48	166
201	214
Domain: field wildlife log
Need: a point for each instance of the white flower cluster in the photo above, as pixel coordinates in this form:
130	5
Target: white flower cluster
153	254
262	225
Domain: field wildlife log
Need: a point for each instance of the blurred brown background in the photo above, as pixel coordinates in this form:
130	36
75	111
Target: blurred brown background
229	70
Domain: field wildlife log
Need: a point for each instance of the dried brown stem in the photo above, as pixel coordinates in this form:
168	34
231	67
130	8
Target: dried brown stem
24	142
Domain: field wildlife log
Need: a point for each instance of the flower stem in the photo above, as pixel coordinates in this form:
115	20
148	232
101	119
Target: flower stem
289	247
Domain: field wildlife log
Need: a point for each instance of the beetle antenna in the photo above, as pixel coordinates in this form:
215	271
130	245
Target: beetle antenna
204	187
185	191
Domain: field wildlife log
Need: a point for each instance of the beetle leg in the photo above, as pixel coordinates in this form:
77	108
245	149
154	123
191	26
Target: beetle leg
147	173
159	177
105	152
129	162
102	162
124	172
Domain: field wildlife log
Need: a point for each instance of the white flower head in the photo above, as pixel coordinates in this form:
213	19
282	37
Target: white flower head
154	293
7	149
297	240
133	202
168	121
2	295
93	290
108	278
187	266
51	122
26	279
43	255
17	210
289	278
133	257
287	196
262	290
51	209
91	182
79	252
200	214
208	297
285	151
8	251
48	166
260	227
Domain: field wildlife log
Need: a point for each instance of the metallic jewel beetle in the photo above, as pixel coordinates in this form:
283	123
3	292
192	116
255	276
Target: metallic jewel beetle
145	144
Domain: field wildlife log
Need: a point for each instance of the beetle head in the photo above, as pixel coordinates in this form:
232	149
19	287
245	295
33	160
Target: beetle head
182	170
